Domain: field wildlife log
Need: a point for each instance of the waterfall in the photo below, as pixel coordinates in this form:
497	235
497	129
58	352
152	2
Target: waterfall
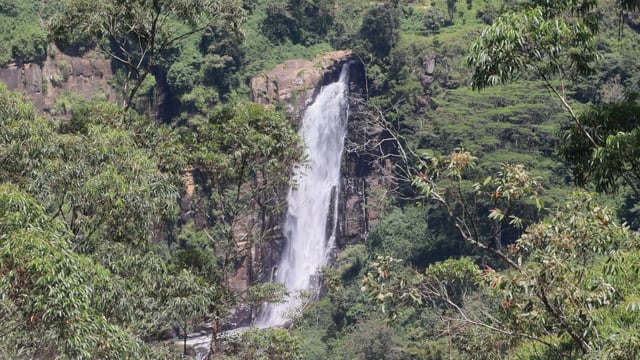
316	187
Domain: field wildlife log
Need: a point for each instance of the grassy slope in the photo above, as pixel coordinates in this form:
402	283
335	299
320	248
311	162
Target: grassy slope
517	123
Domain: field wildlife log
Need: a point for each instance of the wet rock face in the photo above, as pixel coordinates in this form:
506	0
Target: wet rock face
87	76
367	177
353	218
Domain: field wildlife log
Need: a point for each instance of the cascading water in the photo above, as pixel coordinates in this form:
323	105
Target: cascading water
324	128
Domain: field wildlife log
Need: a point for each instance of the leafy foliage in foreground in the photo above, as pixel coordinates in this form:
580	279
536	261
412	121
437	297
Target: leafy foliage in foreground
562	293
110	183
570	279
90	258
263	344
49	292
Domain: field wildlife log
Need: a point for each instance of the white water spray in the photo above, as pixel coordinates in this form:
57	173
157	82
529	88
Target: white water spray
324	127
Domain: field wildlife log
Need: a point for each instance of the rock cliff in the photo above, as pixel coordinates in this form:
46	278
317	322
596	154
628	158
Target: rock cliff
368	173
59	74
296	81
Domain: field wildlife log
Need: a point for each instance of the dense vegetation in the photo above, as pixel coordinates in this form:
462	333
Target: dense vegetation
491	246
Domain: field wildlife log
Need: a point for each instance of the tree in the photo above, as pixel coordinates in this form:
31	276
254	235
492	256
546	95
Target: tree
48	292
263	344
612	155
451	9
371	340
246	153
572	275
23	40
347	18
565	288
503	197
567	284
407	234
97	162
110	199
300	22
433	20
554	41
136	33
530	42
381	29
25	138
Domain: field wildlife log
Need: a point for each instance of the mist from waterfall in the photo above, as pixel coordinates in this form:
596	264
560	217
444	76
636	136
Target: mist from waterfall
316	188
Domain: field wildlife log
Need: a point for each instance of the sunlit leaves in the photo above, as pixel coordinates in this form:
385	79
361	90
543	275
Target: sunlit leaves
511	186
244	133
572	290
561	283
453	166
509	193
47	292
25	139
443	284
105	166
267	292
246	147
388	282
23	39
529	42
90	261
263	344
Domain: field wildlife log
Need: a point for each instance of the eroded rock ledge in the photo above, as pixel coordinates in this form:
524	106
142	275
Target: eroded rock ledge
60	73
297	80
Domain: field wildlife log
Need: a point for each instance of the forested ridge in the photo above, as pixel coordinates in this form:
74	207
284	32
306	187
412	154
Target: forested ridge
509	231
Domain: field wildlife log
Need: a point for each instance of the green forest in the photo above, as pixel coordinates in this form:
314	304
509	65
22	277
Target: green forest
510	230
